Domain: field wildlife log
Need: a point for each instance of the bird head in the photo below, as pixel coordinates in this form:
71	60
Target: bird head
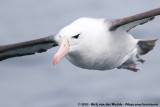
77	37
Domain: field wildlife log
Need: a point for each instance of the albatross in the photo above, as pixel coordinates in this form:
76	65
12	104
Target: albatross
91	43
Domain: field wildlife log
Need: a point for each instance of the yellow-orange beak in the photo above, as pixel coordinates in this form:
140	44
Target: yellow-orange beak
63	51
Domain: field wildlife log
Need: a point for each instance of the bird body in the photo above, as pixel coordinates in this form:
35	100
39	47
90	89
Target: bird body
101	49
91	43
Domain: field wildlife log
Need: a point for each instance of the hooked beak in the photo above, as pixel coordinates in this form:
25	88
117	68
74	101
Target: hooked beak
63	51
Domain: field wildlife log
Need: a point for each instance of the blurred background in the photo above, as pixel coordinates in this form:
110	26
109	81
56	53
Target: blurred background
33	81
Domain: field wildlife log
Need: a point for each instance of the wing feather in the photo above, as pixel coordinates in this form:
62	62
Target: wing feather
132	21
27	48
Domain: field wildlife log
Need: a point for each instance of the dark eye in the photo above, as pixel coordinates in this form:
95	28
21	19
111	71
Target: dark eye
76	36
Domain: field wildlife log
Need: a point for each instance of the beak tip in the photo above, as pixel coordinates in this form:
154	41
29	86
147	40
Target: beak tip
55	60
54	64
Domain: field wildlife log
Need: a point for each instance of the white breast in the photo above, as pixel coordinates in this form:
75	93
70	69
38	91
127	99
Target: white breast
102	49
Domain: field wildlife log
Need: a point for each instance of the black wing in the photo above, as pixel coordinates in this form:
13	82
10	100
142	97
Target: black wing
27	48
132	21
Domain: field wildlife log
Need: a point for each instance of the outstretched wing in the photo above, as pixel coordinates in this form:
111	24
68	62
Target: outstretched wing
132	21
27	48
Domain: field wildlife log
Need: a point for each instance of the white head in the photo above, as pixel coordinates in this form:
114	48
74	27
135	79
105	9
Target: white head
78	41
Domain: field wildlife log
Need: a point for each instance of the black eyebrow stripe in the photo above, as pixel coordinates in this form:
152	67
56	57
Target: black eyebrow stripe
76	36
